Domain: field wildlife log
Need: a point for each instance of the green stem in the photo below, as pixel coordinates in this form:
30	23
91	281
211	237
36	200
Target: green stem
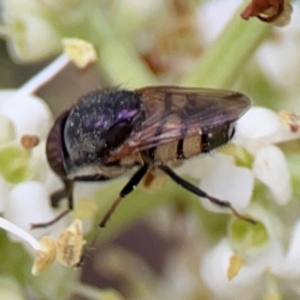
118	60
223	61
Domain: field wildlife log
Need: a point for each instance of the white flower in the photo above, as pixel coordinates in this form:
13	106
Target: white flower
222	179
67	249
256	133
213	17
7	128
257	130
248	283
260	127
28	201
29	114
279	58
26	180
262	251
269	265
289	266
34	29
29	204
31	36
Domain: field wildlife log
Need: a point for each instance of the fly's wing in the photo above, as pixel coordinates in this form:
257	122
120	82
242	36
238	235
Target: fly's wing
177	112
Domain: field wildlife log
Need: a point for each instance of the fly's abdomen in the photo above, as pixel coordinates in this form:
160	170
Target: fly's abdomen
178	149
192	145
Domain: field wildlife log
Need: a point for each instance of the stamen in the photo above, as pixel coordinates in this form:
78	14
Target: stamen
21	233
40	79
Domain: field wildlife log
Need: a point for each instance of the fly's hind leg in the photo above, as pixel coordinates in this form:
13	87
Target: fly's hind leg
195	190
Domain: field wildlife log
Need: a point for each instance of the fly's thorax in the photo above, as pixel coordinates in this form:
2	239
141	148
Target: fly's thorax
190	146
107	171
100	172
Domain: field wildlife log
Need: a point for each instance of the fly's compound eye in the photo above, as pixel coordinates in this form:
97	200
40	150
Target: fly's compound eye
55	151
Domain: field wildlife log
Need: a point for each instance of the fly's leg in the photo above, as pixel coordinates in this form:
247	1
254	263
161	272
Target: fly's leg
128	188
195	190
56	197
66	192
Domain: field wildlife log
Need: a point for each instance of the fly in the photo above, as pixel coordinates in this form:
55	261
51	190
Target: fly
110	131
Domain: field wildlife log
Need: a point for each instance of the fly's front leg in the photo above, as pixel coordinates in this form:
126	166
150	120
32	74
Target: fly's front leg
56	197
195	190
66	192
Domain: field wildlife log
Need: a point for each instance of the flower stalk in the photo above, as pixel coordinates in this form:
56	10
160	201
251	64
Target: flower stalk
224	60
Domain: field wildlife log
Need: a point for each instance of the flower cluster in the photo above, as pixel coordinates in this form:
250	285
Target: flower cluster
258	172
27	181
261	248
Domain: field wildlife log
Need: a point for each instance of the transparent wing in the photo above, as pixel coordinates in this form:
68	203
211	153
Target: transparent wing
177	112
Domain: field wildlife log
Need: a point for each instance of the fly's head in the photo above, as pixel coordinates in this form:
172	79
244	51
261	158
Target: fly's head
91	129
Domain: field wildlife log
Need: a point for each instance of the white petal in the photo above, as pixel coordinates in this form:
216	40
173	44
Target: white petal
4	96
39	162
7	132
42	171
279	58
289	267
30	115
258	122
214	272
260	127
280	61
270	167
225	181
52	182
31	36
29	203
257	128
284	134
197	167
